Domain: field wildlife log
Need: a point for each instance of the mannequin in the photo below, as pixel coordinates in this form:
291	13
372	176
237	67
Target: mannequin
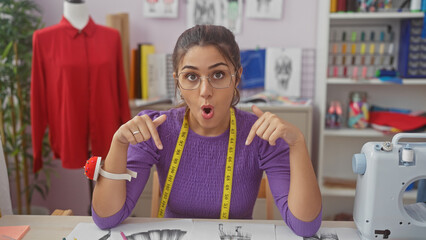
76	12
77	75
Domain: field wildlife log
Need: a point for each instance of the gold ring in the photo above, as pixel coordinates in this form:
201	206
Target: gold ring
136	132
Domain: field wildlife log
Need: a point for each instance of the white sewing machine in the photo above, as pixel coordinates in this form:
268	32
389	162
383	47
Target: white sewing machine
385	169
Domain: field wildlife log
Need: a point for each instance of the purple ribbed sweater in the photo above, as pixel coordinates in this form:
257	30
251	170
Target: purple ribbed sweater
198	185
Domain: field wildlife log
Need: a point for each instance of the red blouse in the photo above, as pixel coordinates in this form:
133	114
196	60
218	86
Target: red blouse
78	90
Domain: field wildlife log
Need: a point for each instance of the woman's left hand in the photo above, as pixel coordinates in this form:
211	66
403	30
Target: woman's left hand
270	127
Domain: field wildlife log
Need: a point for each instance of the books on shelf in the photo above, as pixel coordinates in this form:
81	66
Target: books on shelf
151	75
133	74
160	75
253	63
157	79
170	80
144	50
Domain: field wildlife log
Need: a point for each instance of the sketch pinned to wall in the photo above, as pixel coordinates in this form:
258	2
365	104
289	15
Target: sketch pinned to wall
203	12
160	8
232	230
270	9
283	71
232	19
227	13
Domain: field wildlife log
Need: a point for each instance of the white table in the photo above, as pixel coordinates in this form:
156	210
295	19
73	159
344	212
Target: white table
58	227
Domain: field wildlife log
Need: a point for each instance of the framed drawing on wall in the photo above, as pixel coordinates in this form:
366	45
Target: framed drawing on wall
227	13
283	71
270	9
160	9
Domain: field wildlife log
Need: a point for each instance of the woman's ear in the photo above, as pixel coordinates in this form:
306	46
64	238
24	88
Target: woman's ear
240	73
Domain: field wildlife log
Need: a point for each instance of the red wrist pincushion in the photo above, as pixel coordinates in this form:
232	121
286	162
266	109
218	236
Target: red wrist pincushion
91	169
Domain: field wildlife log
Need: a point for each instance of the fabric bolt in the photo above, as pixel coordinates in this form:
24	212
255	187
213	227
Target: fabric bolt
198	185
78	91
401	121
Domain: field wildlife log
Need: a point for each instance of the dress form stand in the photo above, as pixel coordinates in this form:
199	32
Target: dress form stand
77	13
89	210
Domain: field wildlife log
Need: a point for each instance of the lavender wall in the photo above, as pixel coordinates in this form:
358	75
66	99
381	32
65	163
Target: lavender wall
297	28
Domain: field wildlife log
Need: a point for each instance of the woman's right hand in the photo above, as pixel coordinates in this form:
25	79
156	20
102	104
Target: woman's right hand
139	129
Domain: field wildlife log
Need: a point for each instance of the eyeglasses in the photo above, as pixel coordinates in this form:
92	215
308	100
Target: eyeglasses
219	79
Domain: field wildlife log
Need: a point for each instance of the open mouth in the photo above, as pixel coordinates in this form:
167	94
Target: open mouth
207	111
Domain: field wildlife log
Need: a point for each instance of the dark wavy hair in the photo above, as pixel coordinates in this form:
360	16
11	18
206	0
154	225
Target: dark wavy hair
209	35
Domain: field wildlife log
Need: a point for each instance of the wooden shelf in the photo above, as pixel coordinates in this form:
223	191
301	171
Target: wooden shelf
374	81
334	191
382	93
347	192
376	15
349	132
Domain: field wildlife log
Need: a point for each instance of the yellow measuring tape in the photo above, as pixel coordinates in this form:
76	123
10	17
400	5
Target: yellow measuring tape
229	169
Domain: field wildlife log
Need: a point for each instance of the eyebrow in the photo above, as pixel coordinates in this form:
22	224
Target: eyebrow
210	67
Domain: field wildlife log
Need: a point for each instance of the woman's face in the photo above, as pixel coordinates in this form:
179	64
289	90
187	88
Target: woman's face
209	106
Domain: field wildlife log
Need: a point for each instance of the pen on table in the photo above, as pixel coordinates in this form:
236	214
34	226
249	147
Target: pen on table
123	236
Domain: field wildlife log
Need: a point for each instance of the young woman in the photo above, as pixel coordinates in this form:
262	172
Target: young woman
209	144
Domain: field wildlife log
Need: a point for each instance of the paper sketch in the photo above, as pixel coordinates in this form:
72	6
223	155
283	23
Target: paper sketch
160	8
285	233
227	13
271	9
232	17
323	236
236	234
172	234
283	71
203	12
173	230
232	230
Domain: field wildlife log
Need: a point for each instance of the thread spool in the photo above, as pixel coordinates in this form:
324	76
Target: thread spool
407	155
415	5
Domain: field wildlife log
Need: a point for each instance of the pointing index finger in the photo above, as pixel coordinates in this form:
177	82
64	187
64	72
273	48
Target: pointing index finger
153	129
255	126
256	110
251	135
